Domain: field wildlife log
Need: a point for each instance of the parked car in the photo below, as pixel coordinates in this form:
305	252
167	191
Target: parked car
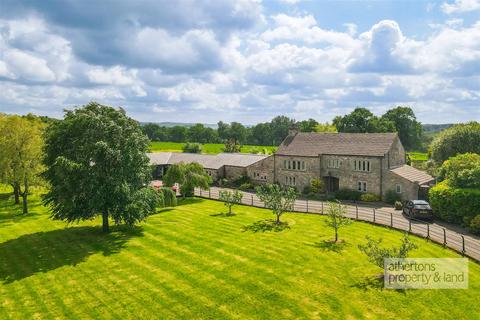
418	209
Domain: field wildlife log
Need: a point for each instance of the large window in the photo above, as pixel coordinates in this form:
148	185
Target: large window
361	165
296	165
362	186
334	163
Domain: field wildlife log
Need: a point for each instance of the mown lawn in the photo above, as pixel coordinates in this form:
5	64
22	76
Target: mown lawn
212	148
191	263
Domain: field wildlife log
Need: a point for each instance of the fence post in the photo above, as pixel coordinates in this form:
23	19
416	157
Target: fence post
307	205
409	225
373	214
444	237
252	199
356	212
428	231
391	220
463	245
322	207
200	192
209	193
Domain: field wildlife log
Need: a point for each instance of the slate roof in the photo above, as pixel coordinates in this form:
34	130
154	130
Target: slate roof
208	161
412	174
355	144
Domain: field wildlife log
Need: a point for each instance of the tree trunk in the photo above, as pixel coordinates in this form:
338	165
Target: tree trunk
278	219
105	226
336	235
16	192
25	196
229	210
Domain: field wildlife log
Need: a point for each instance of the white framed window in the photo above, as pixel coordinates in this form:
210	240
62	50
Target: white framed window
296	165
334	163
361	165
362	186
398	188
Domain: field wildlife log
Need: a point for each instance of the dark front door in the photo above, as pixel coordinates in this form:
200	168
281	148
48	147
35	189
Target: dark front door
331	184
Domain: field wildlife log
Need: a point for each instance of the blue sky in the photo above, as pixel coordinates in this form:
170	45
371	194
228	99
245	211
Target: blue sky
243	60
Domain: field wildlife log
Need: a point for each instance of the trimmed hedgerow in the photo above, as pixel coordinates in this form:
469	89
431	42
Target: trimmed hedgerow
457	205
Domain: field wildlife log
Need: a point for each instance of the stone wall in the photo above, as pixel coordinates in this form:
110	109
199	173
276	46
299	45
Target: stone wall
215	174
233	172
348	177
396	154
409	190
261	169
303	178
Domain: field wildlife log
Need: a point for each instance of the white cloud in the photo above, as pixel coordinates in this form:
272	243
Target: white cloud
461	6
27	66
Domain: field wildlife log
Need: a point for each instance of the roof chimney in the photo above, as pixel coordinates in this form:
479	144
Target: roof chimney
292	131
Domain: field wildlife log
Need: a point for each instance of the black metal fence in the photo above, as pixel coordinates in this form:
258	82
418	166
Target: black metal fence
466	245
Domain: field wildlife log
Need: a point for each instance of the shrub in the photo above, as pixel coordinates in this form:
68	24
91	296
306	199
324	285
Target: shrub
241	180
317	185
246	186
462	171
398	205
307	190
169	196
475	225
348	194
192	147
391	196
369	197
454	204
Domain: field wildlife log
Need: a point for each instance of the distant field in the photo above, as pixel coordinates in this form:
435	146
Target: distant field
156	146
418	156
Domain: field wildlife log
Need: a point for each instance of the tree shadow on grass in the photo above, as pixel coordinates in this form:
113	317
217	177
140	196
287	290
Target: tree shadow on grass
45	251
330	245
375	282
223	214
266	225
189	200
11	212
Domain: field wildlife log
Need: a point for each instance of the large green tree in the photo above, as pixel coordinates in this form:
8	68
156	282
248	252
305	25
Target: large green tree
96	164
406	124
21	145
460	138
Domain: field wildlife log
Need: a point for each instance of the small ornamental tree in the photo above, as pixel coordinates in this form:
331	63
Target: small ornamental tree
377	254
276	198
336	214
189	176
96	164
230	198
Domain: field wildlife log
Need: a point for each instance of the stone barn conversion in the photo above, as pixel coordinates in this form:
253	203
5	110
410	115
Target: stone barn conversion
366	162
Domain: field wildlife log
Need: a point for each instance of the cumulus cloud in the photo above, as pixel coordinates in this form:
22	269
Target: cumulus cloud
213	60
461	6
382	50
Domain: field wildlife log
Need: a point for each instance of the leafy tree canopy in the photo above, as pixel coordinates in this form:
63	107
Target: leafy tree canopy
462	171
460	138
406	124
277	198
96	164
21	142
362	120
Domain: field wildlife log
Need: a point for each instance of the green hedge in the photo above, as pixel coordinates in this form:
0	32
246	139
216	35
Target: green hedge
457	205
348	194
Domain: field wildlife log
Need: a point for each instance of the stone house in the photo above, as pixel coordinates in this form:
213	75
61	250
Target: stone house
366	162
